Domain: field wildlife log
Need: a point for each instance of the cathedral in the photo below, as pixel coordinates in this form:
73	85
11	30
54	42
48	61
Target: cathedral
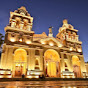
34	55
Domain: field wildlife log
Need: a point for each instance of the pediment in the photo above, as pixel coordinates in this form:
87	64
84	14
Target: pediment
51	41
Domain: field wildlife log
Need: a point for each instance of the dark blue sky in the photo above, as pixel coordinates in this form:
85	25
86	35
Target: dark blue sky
51	13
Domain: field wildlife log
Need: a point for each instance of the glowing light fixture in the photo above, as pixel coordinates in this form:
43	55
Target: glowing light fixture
74	87
71	48
12	39
2	72
29	76
68	76
28	42
47	64
69	87
51	44
79	50
36	76
63	77
18	64
9	76
42	42
20	40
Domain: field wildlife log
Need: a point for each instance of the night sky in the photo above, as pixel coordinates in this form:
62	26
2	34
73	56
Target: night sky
48	13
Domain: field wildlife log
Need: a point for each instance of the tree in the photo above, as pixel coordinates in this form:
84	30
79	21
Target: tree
1	39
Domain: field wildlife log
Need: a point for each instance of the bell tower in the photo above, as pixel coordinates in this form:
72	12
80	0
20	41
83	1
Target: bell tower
18	37
70	39
20	25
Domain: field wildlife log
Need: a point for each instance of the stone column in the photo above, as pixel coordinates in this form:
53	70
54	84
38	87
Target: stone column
41	61
62	62
28	59
82	64
70	62
9	58
4	58
32	59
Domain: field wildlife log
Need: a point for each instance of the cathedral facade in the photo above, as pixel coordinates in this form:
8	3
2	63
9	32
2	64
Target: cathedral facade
34	55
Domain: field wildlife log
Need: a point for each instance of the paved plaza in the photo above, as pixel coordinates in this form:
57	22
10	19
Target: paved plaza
44	84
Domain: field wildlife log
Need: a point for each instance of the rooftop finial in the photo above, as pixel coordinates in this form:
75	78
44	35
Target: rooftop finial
22	7
50	29
50	32
65	21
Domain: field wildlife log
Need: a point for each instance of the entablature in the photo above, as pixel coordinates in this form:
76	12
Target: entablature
16	29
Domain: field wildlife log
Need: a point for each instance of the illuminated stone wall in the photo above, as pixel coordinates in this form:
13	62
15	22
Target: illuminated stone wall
19	36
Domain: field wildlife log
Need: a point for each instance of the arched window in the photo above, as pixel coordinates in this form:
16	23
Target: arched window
65	65
36	62
65	56
66	70
37	68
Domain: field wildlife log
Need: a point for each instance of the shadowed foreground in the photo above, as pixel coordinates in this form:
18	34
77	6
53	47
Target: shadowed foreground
44	84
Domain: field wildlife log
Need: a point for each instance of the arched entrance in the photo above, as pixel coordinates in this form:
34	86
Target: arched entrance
20	62
52	63
76	66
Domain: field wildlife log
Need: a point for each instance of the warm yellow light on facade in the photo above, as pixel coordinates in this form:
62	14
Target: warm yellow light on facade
74	87
37	58
63	77
1	76
9	76
73	76
59	45
29	76
69	87
68	76
79	50
36	76
51	44
32	76
71	48
20	40
9	72
2	72
18	64
12	39
42	42
47	64
37	73
28	42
